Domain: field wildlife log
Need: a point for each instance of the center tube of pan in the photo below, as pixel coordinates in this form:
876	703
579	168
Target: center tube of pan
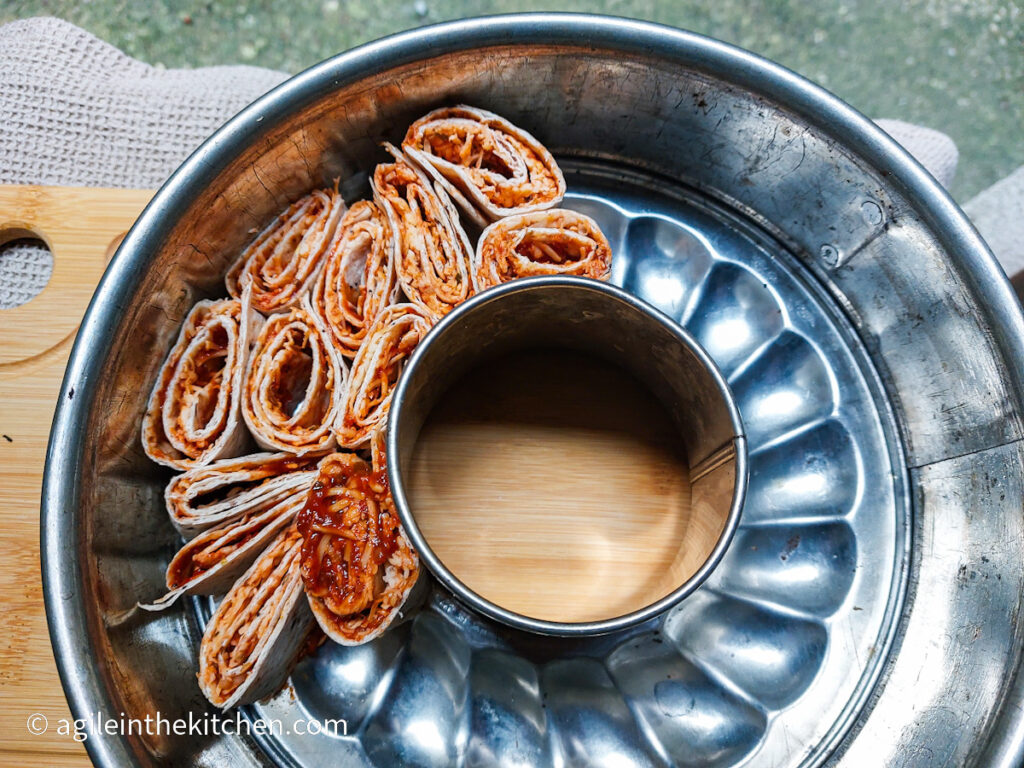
554	484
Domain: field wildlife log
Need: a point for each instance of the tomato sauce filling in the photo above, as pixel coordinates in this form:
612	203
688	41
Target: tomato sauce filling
349	533
203	560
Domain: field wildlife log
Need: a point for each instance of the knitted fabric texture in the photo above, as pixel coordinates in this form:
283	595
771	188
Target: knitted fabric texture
75	111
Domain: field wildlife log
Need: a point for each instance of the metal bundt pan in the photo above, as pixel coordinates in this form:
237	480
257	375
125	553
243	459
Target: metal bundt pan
868	609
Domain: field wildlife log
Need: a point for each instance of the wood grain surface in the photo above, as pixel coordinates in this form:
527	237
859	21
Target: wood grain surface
80	225
555	485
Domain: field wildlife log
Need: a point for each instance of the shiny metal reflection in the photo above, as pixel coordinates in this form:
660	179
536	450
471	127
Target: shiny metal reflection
583	315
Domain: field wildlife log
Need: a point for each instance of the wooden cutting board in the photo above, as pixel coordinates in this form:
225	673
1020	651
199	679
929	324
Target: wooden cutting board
82	227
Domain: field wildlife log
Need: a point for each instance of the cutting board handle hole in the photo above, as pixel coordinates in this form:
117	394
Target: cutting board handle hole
26	265
46	283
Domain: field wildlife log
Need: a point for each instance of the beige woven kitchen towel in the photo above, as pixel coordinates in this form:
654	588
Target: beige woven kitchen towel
998	213
77	111
933	149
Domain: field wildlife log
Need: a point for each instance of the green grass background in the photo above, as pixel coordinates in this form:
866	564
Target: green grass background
954	65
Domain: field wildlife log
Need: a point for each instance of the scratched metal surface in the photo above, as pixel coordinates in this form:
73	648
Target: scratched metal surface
893	314
767	660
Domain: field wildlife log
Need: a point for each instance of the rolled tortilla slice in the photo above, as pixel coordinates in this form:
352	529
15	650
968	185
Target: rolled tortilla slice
295	381
259	627
358	279
357	564
375	371
557	242
210	563
498	168
284	260
230	488
433	250
192	417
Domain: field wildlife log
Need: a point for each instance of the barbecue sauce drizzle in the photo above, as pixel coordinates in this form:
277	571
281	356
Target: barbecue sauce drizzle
333	569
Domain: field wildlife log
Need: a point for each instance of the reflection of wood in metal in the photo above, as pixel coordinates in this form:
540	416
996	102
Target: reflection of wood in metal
554	484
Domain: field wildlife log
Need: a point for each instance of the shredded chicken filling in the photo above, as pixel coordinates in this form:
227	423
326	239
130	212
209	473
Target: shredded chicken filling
429	256
358	279
285	256
198	389
191	406
292	383
208	550
248	614
290	375
349	531
542	243
509	173
471	146
376	370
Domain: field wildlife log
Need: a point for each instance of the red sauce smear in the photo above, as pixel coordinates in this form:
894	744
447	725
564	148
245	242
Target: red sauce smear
314	639
349	532
284	465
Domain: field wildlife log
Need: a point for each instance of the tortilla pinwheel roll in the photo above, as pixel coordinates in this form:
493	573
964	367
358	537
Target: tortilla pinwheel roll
358	279
295	381
210	563
230	488
254	636
433	250
284	260
375	371
357	564
490	167
556	242
192	417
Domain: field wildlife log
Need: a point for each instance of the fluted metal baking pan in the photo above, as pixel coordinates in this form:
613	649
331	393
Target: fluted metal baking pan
867	612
